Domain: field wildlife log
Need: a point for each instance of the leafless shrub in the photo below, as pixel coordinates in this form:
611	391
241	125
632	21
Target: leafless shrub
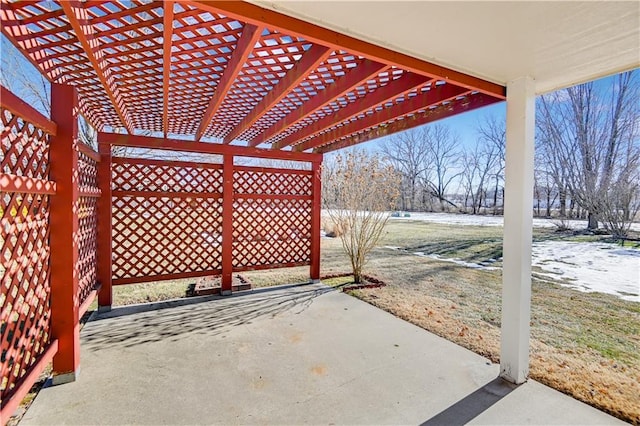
359	191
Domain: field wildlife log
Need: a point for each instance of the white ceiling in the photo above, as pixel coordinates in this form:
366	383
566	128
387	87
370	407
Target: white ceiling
559	43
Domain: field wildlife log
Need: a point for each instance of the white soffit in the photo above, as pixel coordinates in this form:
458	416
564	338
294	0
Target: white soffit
558	43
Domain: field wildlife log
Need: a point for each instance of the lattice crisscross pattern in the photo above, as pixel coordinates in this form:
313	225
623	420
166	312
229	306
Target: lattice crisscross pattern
86	208
271	217
167	176
167	218
252	180
24	255
271	232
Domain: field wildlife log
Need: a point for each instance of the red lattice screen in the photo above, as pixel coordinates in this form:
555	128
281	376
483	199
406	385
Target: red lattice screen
168	216
87	221
167	219
24	259
271	217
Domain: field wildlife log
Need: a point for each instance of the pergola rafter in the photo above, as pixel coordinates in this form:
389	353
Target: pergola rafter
405	83
354	78
84	30
309	61
166	62
436	95
428	116
246	43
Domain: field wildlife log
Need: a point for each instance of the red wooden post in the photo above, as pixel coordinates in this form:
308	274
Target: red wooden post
64	234
316	212
227	225
105	211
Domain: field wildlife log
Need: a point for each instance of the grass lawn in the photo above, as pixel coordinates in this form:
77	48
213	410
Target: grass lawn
584	344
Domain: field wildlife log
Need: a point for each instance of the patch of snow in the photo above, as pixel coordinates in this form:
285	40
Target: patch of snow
478	220
590	267
460	262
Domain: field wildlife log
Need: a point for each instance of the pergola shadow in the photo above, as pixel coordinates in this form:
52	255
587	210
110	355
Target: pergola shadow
172	320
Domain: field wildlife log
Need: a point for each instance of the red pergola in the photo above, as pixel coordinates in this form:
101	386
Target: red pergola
209	77
234	72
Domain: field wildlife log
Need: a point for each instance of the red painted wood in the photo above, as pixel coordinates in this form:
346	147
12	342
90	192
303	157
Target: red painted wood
24	184
251	13
476	101
227	223
354	78
136	141
78	19
10	404
105	211
309	61
167	34
315	221
432	97
163	277
395	88
88	151
25	111
246	43
64	230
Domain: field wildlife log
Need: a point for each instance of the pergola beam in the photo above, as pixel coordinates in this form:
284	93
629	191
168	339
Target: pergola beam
310	60
246	43
475	101
354	78
251	13
147	142
436	95
167	35
79	20
406	82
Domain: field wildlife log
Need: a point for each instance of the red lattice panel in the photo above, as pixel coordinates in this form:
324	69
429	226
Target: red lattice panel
166	176
167	218
161	236
274	232
24	255
86	209
252	180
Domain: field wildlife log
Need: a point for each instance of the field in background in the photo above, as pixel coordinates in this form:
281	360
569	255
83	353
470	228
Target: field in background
584	344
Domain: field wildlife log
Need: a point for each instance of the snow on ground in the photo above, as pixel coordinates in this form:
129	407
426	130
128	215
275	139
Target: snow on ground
589	267
478	220
607	268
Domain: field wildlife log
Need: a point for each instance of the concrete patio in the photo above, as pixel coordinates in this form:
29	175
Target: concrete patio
290	355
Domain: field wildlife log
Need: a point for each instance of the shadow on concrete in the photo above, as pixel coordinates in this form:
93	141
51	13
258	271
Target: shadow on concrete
474	404
131	326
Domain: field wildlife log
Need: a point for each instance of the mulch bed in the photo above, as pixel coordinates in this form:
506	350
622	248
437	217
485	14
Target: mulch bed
369	282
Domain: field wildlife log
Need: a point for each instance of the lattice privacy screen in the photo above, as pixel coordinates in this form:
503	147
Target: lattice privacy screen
24	257
168	215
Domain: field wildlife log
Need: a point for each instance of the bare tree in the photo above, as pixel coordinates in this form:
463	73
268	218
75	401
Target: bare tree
478	164
409	152
363	189
591	132
493	132
443	156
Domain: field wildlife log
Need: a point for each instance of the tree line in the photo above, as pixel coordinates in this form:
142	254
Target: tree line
587	163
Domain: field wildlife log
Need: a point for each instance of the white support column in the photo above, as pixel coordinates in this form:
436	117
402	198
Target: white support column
518	222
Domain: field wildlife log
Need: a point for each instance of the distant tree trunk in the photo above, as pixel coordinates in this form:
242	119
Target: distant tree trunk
593	221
